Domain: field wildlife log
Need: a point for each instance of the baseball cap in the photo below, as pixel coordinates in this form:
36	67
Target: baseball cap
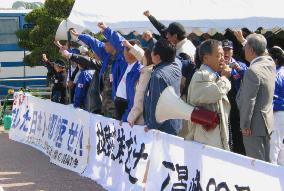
227	44
60	63
277	50
176	28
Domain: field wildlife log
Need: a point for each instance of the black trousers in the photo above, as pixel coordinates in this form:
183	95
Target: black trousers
120	105
58	94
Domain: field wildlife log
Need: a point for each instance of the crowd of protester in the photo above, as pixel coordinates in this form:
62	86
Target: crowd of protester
119	78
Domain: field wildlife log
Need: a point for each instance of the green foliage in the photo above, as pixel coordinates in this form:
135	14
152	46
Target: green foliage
59	8
39	39
26	5
99	35
35	14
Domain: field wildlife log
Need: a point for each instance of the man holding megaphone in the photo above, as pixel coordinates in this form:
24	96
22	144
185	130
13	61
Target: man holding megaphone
208	89
209	107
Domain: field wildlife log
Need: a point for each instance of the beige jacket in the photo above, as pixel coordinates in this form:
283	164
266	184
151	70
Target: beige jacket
135	115
209	91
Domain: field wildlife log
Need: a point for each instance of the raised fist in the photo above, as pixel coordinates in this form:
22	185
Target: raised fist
239	35
102	25
44	58
74	32
146	13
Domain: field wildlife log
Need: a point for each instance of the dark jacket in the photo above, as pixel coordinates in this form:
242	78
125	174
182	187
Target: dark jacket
159	26
50	72
163	75
150	44
86	62
93	101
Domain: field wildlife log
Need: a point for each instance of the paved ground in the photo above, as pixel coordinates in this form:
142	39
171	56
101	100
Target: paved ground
23	168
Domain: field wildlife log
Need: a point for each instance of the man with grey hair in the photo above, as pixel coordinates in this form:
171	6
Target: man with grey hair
208	89
255	96
148	37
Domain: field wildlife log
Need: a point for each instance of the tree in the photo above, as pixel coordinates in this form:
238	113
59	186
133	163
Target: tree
26	5
45	20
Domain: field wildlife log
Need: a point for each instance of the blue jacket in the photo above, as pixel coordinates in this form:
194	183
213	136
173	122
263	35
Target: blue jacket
236	75
278	98
81	88
119	64
74	50
131	81
163	75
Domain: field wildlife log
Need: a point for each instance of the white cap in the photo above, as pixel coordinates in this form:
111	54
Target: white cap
83	49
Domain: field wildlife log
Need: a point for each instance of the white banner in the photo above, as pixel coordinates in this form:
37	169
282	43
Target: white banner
59	131
119	154
180	165
124	158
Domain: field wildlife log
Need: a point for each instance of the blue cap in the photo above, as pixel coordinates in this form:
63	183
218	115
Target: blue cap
227	44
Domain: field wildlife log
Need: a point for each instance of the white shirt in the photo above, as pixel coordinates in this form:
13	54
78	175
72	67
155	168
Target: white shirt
121	89
186	46
73	68
77	76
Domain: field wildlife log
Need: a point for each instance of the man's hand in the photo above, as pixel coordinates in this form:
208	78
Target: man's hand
226	72
239	35
74	32
57	43
236	66
147	13
70	84
102	25
126	44
146	129
246	131
65	53
44	58
131	124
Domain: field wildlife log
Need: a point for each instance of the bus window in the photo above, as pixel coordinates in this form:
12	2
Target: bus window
9	26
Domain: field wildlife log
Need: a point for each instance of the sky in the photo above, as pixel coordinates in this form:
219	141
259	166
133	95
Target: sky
9	3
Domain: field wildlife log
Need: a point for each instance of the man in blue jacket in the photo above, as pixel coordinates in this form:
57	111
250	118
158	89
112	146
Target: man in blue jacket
127	85
125	91
166	72
236	72
110	52
93	102
82	86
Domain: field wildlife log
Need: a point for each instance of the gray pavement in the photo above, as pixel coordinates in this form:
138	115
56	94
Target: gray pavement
23	168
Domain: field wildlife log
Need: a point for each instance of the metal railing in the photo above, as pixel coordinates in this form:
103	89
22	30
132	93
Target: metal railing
20	79
40	91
